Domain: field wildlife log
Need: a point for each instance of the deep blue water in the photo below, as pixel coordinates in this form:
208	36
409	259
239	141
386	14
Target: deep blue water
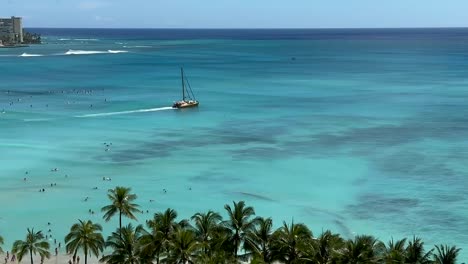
432	34
357	131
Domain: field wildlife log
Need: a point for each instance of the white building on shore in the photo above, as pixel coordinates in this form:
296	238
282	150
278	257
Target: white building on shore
11	30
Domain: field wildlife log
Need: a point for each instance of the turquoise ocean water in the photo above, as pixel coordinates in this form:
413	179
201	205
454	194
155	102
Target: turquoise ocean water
357	131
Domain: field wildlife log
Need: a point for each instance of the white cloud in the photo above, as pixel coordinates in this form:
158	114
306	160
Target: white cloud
89	5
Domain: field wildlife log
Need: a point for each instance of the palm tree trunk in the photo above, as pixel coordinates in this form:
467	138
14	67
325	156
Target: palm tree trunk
235	249
85	254
74	255
235	244
120	224
30	254
120	219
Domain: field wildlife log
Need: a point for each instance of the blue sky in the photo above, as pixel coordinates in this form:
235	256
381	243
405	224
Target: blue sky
238	13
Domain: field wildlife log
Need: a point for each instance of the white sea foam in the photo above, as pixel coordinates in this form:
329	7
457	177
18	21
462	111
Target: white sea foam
64	39
86	39
90	52
84	52
127	112
117	51
30	55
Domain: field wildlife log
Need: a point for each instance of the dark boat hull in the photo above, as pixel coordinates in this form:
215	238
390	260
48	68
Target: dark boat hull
185	105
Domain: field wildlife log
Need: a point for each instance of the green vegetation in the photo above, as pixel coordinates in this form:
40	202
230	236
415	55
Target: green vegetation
28	38
86	236
31	38
35	243
1	243
207	239
121	201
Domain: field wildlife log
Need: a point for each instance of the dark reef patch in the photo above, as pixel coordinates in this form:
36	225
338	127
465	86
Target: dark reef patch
370	139
266	152
255	196
335	218
16	92
163	144
140	152
372	206
214	177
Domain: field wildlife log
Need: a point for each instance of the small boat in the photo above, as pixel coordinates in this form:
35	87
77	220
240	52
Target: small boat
188	98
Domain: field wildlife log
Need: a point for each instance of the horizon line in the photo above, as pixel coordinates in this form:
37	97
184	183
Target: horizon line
260	28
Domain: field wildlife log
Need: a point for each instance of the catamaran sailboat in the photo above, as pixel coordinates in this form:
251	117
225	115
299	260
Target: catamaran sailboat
188	98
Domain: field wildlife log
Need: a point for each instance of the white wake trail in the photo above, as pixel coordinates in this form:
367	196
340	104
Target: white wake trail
127	112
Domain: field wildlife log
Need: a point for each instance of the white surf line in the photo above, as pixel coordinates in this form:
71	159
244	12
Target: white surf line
126	112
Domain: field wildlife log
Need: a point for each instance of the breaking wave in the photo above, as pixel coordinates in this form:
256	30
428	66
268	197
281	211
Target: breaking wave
117	51
90	52
83	52
30	55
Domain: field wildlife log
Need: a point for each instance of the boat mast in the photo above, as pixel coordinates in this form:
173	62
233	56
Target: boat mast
183	84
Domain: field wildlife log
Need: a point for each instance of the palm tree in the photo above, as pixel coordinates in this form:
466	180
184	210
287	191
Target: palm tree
86	236
360	250
326	247
221	249
166	224
258	240
216	257
394	252
1	243
290	242
183	247
239	222
34	243
124	245
415	252
205	226
151	242
446	254
121	201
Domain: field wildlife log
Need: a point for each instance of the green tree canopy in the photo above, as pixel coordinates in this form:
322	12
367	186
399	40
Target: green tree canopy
121	202
87	236
34	243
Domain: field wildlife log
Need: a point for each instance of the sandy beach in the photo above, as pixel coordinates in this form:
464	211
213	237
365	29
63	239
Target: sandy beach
59	259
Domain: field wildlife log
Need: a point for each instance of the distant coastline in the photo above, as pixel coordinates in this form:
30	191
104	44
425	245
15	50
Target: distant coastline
12	33
13	46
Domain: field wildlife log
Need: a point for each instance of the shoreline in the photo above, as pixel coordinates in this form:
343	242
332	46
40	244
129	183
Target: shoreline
61	258
13	46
